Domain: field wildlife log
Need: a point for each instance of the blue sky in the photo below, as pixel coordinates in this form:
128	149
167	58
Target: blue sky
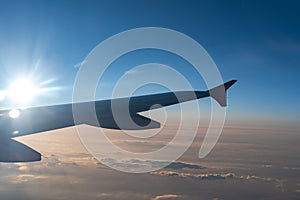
256	42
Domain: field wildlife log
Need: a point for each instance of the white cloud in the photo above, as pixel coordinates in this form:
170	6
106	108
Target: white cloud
148	165
204	176
133	71
22	166
23	178
79	64
278	182
166	196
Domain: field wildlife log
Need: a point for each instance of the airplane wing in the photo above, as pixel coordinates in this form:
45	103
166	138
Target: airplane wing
14	123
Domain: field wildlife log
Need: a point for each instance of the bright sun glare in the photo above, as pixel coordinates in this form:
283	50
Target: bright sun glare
22	91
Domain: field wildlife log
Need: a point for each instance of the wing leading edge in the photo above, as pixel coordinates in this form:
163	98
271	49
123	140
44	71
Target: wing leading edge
45	118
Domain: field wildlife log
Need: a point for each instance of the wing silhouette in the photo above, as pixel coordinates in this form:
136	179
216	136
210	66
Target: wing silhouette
45	118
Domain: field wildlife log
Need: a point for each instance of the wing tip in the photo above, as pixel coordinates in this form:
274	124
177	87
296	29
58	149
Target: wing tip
228	84
219	93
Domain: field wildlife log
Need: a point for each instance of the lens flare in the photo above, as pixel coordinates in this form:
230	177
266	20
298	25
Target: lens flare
14	113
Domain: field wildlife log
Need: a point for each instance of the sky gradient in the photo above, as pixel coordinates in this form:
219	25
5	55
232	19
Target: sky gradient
257	43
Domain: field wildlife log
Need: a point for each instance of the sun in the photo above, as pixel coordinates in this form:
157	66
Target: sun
22	91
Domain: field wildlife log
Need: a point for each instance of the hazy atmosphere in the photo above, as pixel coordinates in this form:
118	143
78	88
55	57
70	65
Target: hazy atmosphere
256	43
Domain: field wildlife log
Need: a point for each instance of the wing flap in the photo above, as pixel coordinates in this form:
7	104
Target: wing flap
133	122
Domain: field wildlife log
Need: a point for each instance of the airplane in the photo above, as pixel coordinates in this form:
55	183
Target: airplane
18	122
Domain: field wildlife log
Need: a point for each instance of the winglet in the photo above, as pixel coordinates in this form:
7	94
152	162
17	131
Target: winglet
219	92
229	84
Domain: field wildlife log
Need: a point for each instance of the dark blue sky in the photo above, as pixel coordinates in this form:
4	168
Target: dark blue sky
256	42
